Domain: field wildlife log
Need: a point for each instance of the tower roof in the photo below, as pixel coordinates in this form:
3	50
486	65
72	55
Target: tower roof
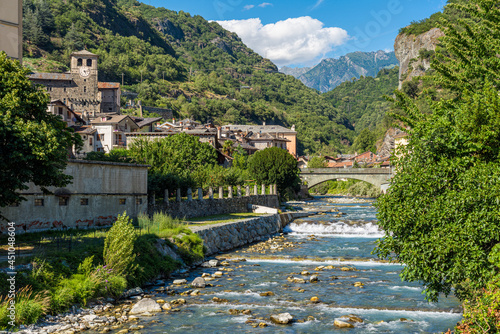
84	53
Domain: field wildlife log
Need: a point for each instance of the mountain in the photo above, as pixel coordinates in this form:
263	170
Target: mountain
294	71
183	62
331	72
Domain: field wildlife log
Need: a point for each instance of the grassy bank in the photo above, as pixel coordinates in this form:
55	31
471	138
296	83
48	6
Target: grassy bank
74	267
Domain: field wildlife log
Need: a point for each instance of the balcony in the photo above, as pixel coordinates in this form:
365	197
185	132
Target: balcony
119	144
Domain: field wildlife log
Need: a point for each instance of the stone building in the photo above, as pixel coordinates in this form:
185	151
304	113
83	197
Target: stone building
98	193
80	89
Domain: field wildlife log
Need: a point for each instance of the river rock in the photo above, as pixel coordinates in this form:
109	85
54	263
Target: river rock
305	273
166	307
210	264
313	279
315	299
266	294
198	282
133	292
180	281
145	305
218	274
282	318
89	317
342	324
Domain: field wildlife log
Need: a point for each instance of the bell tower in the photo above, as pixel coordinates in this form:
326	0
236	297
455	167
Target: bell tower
84	95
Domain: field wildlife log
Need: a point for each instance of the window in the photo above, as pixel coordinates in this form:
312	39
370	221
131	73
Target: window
79	62
60	110
138	201
89	62
90	140
84	201
64	89
84	89
123	201
63	201
38	201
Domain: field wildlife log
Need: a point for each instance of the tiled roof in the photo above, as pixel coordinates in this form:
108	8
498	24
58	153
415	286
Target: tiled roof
260	128
108	85
84	53
50	76
85	129
141	122
112	120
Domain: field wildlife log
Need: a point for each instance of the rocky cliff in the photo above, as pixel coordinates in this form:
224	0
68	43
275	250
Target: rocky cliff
412	61
386	146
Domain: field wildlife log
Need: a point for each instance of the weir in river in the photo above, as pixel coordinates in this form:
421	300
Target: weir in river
275	277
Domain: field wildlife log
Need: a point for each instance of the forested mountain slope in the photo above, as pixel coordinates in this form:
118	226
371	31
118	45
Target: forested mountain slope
185	63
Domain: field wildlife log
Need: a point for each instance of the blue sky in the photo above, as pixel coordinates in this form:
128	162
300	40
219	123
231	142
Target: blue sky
301	33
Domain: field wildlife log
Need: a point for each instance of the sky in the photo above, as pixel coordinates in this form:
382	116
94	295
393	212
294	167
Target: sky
299	33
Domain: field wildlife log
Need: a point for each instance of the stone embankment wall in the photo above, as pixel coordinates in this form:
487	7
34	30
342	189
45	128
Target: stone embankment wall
208	207
224	237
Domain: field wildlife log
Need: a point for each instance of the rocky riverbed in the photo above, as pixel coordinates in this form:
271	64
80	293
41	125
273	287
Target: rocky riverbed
318	277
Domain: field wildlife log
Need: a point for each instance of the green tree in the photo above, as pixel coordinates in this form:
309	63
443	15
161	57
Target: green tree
317	162
119	246
441	215
274	166
34	144
365	141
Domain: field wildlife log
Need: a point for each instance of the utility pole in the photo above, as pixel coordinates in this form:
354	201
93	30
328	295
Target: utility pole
122	78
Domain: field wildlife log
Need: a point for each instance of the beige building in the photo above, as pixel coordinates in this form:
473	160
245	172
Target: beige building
281	135
99	192
80	89
11	28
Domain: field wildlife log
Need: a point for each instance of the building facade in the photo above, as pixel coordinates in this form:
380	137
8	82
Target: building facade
11	28
99	192
80	89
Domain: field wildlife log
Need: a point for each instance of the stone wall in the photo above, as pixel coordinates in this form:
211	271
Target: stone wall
99	192
225	237
209	207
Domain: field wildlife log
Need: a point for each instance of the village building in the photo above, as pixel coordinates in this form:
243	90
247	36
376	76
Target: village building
67	115
269	136
80	89
111	130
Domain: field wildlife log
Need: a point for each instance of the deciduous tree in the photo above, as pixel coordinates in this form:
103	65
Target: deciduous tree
33	143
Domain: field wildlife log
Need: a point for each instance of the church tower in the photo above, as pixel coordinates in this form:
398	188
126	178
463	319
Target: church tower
84	95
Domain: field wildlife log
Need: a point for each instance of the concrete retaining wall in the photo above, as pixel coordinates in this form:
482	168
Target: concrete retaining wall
208	207
225	237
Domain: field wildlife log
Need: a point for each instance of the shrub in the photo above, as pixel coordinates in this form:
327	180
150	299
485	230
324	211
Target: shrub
107	283
119	246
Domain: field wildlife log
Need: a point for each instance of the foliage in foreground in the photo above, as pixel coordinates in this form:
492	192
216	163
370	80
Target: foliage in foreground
119	246
33	142
441	214
58	281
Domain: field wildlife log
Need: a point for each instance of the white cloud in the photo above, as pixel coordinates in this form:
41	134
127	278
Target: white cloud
248	7
292	41
319	2
265	4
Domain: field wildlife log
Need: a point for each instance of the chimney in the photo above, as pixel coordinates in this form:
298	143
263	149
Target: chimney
219	132
173	121
264	123
293	127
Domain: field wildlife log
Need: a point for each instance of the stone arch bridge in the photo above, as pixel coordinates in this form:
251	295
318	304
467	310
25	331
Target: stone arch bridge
379	177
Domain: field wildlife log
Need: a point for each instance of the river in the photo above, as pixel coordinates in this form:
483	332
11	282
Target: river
351	282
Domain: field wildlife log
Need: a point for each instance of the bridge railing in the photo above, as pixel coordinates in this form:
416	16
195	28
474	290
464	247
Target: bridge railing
371	171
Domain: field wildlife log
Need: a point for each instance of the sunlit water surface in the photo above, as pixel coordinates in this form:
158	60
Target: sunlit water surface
385	303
